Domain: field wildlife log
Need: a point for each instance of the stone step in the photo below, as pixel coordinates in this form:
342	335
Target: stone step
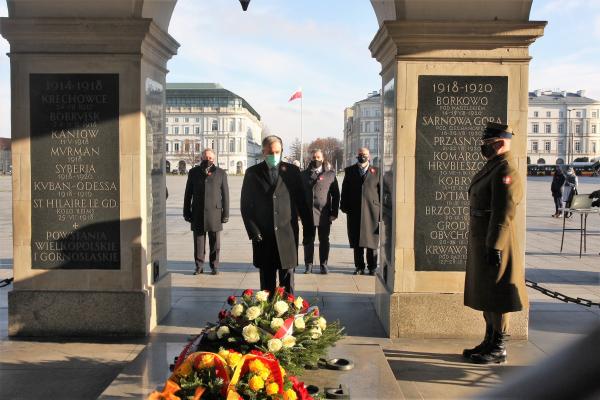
371	377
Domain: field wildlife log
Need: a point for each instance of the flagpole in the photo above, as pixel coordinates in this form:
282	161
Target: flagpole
301	138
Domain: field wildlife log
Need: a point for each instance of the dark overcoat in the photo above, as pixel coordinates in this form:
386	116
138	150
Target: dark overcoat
272	212
494	194
206	199
322	195
558	180
360	201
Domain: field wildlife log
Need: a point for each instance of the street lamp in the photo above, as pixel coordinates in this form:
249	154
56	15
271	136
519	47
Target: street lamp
244	4
569	137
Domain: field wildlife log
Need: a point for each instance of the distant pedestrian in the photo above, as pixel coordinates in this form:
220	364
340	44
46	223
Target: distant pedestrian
569	189
323	197
558	180
206	208
360	201
272	200
495	274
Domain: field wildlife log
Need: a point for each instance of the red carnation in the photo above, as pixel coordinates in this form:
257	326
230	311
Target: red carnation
300	389
305	304
222	314
280	291
290	298
231	300
316	311
248	293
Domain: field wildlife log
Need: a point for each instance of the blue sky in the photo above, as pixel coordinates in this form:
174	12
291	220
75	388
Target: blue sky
276	46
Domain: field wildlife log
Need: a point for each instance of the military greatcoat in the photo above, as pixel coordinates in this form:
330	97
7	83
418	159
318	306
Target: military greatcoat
360	201
494	194
272	211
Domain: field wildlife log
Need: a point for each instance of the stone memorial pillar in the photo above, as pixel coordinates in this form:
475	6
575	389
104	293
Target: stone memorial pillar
88	93
448	67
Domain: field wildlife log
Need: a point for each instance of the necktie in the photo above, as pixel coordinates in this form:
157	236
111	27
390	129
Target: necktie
274	175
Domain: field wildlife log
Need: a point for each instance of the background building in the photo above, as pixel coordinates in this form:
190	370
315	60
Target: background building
5	156
202	115
562	127
362	127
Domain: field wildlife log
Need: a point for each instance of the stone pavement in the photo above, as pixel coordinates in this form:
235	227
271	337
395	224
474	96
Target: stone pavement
431	369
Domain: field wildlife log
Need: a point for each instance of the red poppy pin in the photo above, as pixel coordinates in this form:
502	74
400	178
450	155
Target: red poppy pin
320	178
507	180
373	171
209	174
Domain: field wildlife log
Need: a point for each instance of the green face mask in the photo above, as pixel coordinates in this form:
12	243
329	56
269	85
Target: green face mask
273	160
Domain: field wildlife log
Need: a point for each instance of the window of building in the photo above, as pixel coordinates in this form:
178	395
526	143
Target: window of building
561	114
560	145
377	126
548	114
368	126
187	119
534	146
232	145
577	146
197	147
186	130
215	125
547	128
167	147
577	128
197	130
197	119
175	130
593	128
186	147
578	114
594	114
232	125
536	114
168	119
594	148
239	145
176	147
240	125
547	147
561	128
176	119
535	128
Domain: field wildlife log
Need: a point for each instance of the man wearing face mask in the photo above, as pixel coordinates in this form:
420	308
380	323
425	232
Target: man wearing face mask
360	201
206	208
272	200
495	276
323	198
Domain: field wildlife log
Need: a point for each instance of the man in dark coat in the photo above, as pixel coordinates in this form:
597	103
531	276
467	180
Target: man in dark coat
323	197
272	200
360	201
495	274
206	208
558	180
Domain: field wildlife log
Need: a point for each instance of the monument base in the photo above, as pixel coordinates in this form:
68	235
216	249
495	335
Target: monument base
436	315
88	313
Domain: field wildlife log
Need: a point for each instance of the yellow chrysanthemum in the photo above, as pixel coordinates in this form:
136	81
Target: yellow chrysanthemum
234	359
256	366
256	383
264	374
290	394
272	388
224	353
208	361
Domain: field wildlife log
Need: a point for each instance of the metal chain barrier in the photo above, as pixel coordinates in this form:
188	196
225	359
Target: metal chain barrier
6	282
560	296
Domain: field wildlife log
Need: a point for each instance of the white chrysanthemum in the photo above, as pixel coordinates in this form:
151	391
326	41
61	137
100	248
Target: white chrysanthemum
322	323
263	295
222	331
250	333
298	302
315	332
237	310
280	307
274	345
276	323
211	334
253	312
289	341
299	324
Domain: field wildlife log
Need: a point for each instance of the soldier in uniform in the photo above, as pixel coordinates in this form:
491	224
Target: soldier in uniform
206	208
323	198
360	201
495	275
272	199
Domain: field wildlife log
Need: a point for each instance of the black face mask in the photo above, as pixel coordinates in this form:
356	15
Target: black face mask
487	150
362	159
314	164
206	164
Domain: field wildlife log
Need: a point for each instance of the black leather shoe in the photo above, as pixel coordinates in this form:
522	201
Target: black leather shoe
372	271
214	271
198	271
358	271
324	269
308	269
467	353
495	353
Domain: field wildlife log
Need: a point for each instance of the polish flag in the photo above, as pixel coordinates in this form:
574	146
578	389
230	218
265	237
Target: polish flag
297	95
